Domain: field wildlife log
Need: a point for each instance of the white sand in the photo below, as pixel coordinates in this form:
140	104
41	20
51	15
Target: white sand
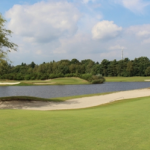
147	80
75	103
8	83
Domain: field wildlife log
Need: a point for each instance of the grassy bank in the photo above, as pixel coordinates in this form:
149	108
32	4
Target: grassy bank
72	81
28	98
126	79
120	125
57	81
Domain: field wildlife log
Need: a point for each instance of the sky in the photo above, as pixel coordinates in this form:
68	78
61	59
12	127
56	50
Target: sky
47	30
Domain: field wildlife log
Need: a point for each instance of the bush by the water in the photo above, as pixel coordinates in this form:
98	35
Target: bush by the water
87	77
94	79
97	79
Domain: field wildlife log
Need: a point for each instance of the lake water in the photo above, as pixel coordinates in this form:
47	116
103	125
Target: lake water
69	90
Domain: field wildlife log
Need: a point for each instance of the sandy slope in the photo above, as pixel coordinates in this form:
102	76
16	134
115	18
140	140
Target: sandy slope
75	103
8	83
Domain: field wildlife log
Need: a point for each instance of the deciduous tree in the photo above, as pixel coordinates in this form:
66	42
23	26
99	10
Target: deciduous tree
5	44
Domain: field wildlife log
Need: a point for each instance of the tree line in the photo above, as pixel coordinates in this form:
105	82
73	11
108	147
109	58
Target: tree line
74	68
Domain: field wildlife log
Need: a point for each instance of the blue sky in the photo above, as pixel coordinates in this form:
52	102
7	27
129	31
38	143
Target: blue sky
83	29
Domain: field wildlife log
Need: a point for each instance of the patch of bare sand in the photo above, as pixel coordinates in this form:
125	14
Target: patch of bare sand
9	83
147	80
75	103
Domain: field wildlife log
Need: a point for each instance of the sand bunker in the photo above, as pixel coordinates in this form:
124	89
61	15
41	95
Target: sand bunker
74	103
147	80
8	83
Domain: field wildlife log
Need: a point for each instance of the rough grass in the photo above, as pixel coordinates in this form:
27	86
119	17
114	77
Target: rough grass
126	79
122	125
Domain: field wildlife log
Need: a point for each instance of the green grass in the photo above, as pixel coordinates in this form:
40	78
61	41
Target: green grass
122	125
126	79
57	81
73	80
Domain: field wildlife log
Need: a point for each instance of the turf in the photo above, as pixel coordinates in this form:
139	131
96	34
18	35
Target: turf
120	125
57	81
126	79
73	80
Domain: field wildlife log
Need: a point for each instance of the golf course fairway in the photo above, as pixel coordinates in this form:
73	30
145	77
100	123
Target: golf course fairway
121	125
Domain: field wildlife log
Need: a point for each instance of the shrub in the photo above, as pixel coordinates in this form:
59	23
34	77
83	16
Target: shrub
19	77
87	77
68	75
52	76
97	79
27	77
44	77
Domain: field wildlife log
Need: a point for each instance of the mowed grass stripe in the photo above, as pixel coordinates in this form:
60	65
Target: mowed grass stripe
120	125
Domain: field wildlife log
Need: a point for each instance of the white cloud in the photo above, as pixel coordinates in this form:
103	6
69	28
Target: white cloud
39	52
144	33
109	55
117	47
87	1
141	32
134	5
106	30
147	41
44	21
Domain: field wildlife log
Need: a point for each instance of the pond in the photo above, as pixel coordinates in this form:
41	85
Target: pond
53	91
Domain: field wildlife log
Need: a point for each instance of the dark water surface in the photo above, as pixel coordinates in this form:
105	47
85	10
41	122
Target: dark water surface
69	90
